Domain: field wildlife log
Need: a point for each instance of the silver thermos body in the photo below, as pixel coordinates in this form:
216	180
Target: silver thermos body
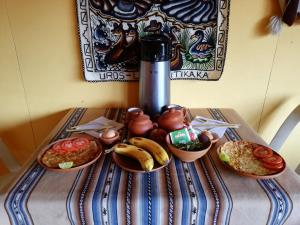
154	83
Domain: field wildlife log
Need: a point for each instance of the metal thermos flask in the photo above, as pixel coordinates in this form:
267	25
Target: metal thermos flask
154	84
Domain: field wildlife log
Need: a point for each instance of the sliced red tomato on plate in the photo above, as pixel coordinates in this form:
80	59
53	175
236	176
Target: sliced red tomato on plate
262	152
273	160
273	166
57	146
68	146
81	142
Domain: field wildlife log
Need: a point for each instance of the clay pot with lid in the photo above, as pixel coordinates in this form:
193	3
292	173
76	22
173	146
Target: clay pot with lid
140	125
172	119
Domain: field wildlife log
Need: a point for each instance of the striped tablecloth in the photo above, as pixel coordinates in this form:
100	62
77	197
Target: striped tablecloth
203	192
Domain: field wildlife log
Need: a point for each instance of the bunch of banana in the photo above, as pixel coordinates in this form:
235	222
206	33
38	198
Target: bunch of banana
144	158
154	148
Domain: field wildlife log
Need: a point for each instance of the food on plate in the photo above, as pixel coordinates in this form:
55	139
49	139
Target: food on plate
224	157
156	150
145	159
65	165
188	140
250	158
262	152
109	136
191	146
109	133
68	146
208	134
275	167
268	159
273	160
70	153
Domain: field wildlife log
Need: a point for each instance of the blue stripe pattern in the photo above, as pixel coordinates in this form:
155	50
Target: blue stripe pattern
281	203
227	203
128	199
214	192
16	200
69	198
145	203
83	194
170	196
186	201
99	192
225	189
201	198
113	195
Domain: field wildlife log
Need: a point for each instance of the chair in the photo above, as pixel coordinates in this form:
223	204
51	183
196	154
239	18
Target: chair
285	129
279	124
10	162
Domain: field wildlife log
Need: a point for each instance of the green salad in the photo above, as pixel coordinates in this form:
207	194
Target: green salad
191	146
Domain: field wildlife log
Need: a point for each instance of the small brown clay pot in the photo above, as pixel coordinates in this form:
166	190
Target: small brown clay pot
133	112
140	125
171	120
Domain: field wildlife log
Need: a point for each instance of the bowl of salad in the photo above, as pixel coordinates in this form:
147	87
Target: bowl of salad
189	152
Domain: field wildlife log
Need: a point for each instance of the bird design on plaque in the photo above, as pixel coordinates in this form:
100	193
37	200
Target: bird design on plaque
110	33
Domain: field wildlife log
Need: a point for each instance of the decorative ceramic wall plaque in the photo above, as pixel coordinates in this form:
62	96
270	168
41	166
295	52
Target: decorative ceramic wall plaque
110	31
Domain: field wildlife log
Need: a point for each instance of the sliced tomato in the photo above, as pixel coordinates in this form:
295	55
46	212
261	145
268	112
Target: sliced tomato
273	166
273	160
68	146
262	152
81	142
57	146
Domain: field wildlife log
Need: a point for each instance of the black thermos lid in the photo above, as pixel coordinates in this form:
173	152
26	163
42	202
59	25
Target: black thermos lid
155	48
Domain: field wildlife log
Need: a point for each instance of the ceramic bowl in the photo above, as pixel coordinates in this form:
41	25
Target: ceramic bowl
109	141
190	156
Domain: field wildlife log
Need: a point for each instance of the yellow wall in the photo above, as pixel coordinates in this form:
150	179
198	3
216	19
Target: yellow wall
41	77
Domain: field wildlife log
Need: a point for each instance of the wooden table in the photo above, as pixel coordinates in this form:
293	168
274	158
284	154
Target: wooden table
202	192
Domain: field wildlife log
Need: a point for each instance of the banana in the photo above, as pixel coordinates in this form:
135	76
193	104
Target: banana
154	148
145	159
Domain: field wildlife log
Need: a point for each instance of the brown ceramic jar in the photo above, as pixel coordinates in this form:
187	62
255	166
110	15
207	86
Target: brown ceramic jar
132	113
172	120
140	125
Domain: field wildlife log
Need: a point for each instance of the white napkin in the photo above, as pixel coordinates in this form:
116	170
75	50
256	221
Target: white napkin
99	123
220	131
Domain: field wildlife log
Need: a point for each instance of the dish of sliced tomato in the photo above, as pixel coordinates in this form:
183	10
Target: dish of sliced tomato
268	159
71	145
262	152
79	151
80	142
252	159
273	166
273	160
57	146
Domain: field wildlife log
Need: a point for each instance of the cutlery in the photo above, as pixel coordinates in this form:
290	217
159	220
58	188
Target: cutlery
211	125
109	150
78	129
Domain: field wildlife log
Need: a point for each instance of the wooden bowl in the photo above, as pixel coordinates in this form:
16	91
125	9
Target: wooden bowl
188	156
